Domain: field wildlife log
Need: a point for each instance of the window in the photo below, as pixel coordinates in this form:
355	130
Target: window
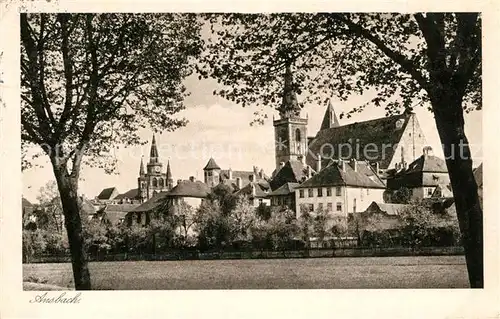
260	201
311	207
354	205
329	191
209	173
155	183
301	193
320	206
310	192
329	207
297	135
338	191
429	191
320	192
160	182
339	207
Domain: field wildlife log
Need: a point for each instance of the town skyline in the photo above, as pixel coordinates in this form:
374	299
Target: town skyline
210	119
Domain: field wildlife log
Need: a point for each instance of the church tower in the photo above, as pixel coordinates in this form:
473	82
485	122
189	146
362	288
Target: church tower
154	180
330	119
290	130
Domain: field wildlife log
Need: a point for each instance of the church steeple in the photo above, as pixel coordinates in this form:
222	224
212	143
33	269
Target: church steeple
153	153
170	180
289	105
141	169
169	173
330	119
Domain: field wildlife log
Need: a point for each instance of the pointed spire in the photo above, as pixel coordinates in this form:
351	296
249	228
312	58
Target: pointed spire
330	119
169	173
141	169
289	106
211	165
153	154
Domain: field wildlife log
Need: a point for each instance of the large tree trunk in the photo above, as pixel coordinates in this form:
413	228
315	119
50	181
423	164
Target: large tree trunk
450	124
68	189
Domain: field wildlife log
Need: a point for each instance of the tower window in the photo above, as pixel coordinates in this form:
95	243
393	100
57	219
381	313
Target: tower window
155	182
298	137
160	182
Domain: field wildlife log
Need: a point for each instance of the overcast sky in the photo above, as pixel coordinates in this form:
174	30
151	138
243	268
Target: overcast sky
222	129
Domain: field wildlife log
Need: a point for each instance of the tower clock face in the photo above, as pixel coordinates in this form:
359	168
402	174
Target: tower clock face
157	169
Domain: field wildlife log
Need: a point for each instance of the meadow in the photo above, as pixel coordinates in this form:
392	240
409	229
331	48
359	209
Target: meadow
311	273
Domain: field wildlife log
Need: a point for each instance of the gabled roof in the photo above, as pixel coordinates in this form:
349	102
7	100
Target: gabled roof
335	175
427	170
261	189
132	194
292	172
377	132
26	203
211	165
120	208
196	189
284	189
152	203
387	208
107	193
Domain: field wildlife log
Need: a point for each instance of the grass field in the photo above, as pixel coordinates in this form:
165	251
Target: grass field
319	273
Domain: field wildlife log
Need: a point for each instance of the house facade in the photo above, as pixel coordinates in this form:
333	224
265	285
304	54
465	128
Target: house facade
341	188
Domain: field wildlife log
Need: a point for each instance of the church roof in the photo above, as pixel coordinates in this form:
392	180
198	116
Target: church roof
141	169
293	171
107	193
169	172
330	119
289	105
211	165
377	133
336	175
153	153
388	208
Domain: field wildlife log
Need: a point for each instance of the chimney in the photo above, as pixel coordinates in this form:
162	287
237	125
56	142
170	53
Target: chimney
428	151
377	168
253	189
318	164
191	178
308	171
179	181
255	170
251	177
261	173
230	173
354	164
238	182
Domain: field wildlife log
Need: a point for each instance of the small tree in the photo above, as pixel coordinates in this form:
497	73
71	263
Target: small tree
321	225
305	225
401	196
241	220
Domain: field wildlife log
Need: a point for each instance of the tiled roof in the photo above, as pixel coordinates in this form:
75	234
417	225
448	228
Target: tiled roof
261	189
382	131
115	217
292	172
188	188
284	189
211	164
132	194
106	193
388	208
334	175
427	170
152	203
243	175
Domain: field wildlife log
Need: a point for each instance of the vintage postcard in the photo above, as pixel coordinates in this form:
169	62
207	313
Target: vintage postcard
247	160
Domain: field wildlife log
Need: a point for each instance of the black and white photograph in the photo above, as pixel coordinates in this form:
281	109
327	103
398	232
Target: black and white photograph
269	151
166	151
